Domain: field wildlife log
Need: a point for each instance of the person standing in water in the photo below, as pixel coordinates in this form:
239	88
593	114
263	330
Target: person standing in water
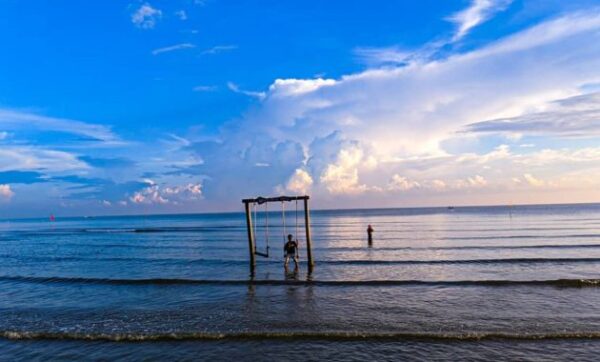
370	235
290	250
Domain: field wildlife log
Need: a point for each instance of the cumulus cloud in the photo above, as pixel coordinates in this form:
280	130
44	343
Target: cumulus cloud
300	182
399	183
6	192
146	16
354	134
173	48
154	193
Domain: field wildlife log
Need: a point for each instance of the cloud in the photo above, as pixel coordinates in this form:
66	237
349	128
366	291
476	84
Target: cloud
204	88
387	55
154	193
410	110
236	89
399	183
19	120
300	182
34	158
6	192
219	49
181	14
478	12
533	181
173	48
145	17
577	116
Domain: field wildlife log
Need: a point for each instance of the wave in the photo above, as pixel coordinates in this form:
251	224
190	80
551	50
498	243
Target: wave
561	283
465	247
464	261
225	262
317	335
490	237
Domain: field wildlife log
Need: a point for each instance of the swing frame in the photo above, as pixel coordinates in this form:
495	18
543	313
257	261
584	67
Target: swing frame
249	203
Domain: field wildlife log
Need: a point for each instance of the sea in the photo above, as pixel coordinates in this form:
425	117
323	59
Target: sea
464	283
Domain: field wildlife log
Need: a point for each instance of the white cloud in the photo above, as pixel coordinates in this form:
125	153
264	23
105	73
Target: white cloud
173	48
300	182
399	183
235	88
34	158
533	181
353	134
376	56
19	120
145	17
341	176
478	12
577	116
158	194
6	192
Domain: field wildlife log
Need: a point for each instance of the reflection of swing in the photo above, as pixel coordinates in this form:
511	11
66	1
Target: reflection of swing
251	205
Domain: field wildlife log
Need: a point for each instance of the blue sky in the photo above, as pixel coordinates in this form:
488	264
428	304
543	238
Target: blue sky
188	106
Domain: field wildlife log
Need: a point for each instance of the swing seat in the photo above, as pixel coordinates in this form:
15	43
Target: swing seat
260	253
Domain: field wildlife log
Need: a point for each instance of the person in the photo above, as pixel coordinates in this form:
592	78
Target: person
370	235
290	250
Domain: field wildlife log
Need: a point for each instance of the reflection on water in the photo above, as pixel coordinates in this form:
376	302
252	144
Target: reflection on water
433	277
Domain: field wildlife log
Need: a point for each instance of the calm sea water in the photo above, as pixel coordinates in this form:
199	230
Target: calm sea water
476	283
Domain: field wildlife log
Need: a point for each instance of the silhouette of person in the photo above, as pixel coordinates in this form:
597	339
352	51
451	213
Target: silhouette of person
370	235
290	250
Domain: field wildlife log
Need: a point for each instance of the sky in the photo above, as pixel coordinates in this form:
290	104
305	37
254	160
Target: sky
184	106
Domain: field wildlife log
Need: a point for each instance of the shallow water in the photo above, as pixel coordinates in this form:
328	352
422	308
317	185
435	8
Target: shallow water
492	283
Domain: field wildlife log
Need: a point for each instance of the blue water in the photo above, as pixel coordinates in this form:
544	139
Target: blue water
516	282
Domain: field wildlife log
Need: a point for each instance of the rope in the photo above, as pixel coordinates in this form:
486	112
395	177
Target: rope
296	219
297	239
283	217
267	225
255	222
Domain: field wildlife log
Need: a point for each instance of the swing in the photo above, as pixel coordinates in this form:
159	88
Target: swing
256	252
266	212
252	219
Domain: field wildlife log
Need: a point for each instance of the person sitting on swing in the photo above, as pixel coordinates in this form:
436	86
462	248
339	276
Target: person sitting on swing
290	250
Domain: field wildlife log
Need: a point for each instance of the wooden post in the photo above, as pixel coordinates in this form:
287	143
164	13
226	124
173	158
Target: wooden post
250	236
307	228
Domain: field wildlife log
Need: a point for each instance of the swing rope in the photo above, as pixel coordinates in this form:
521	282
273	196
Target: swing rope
267	226
255	222
283	217
297	238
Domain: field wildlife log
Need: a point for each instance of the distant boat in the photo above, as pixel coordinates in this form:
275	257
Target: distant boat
450	207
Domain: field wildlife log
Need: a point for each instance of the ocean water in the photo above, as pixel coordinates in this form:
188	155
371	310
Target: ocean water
502	283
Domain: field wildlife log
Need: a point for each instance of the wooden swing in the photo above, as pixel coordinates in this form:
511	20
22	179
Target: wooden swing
251	206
